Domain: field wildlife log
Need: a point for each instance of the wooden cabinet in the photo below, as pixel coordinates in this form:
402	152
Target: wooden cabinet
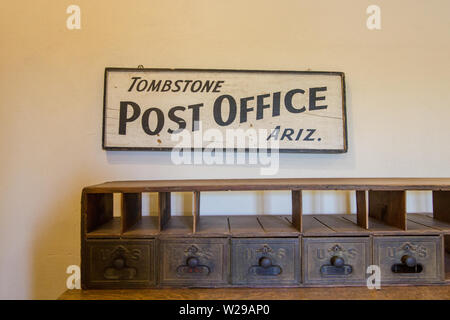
130	250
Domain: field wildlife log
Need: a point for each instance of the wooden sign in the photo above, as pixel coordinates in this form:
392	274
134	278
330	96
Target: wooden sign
162	109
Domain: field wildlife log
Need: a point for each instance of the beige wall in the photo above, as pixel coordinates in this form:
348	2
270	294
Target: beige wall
51	82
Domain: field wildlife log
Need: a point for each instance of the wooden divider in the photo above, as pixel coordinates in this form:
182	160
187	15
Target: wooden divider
164	209
388	207
362	209
131	210
196	210
297	209
441	205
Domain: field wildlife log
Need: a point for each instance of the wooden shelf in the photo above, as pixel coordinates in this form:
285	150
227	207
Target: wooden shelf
213	226
342	225
236	226
268	226
381	207
146	227
272	184
109	229
426	219
178	226
331	225
261	226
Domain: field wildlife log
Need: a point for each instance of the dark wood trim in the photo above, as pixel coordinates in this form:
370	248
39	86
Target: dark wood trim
196	210
164	209
125	69
297	209
441	205
362	209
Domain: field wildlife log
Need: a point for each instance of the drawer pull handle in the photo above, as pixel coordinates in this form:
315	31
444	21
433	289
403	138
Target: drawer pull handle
265	262
119	263
192	262
193	267
409	261
265	268
119	270
337	267
337	261
409	265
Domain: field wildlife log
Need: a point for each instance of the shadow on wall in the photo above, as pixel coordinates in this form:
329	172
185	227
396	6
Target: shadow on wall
56	245
291	165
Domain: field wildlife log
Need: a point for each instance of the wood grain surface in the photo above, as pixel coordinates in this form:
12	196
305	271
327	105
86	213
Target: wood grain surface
273	184
335	293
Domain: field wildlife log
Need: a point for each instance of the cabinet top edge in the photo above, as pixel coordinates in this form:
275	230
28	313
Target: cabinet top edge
388	184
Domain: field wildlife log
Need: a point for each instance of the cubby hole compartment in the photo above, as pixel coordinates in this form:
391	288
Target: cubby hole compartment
180	221
329	213
429	211
257	217
101	220
140	215
113	215
379	211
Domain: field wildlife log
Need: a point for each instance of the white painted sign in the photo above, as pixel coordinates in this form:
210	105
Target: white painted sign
161	109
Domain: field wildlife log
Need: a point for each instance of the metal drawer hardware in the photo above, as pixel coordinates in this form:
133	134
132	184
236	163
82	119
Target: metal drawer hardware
409	263
409	259
193	266
337	264
265	261
119	269
265	268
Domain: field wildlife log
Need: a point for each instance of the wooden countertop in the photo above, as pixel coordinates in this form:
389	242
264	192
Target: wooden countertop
334	293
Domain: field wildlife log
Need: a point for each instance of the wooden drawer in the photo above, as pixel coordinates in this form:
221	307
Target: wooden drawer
194	262
336	260
273	261
409	259
115	263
